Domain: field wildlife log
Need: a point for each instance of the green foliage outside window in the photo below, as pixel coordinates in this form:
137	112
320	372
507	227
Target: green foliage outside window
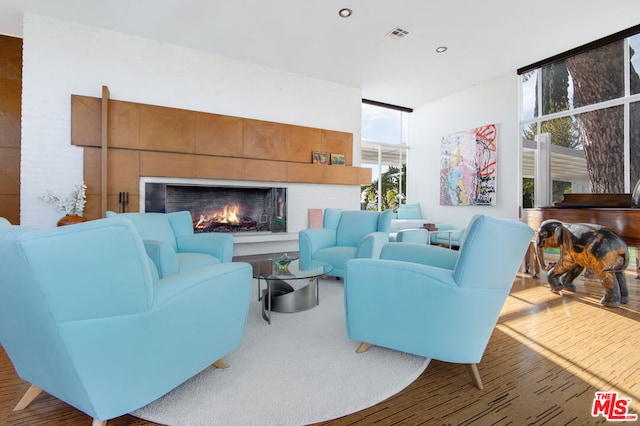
390	196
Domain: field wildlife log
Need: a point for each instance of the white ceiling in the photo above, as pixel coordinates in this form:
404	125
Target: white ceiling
486	38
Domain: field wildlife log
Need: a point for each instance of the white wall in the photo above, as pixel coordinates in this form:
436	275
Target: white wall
493	101
61	59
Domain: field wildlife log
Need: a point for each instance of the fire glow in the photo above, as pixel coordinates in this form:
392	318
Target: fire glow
228	214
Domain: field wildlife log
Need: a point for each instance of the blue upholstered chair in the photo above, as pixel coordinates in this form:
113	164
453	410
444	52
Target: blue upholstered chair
416	236
345	235
82	318
432	301
447	236
172	244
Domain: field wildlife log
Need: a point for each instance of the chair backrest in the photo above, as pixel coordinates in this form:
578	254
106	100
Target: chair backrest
384	221
151	226
181	223
409	211
331	218
355	224
491	252
54	277
4	222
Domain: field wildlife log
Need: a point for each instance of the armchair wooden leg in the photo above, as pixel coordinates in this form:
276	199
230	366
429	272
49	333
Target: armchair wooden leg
475	375
97	422
29	396
363	347
221	363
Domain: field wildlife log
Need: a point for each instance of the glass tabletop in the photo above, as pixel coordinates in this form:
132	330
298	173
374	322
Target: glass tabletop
269	270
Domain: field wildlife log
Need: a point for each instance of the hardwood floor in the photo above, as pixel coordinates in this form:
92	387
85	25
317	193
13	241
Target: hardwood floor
547	357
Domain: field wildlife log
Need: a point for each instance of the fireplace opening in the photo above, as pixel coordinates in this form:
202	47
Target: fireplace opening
222	208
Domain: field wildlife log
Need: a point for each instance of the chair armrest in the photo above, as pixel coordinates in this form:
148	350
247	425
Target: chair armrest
214	244
404	276
314	239
417	236
422	254
370	246
167	289
163	257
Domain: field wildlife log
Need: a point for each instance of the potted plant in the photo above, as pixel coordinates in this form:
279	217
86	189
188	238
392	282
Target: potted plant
71	207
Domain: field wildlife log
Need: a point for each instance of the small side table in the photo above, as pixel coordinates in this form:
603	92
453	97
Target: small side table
280	296
448	232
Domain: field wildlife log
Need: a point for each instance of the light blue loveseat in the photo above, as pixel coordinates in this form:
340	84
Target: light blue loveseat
345	235
432	301
82	318
172	244
405	227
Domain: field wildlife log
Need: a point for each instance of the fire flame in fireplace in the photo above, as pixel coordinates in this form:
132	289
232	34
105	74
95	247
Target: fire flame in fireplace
228	214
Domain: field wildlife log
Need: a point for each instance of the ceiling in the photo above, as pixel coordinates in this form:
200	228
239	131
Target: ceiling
486	38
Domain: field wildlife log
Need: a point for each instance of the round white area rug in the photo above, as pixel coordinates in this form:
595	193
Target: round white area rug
301	369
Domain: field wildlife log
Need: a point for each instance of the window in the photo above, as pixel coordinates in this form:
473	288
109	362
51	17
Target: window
580	121
384	150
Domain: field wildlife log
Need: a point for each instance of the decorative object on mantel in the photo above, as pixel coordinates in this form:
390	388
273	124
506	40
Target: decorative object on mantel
123	200
71	207
337	159
319	157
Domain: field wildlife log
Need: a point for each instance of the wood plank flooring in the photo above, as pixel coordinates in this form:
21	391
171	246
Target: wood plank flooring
547	357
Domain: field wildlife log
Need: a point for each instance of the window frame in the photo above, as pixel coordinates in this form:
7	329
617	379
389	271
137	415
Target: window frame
542	182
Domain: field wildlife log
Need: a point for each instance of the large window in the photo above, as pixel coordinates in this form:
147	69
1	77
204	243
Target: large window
384	150
580	122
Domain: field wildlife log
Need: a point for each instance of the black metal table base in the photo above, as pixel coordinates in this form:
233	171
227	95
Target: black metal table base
284	298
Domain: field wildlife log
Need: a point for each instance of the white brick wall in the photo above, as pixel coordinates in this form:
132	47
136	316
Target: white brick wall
61	59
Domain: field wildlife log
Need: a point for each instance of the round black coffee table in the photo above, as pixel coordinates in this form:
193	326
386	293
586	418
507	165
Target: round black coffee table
280	296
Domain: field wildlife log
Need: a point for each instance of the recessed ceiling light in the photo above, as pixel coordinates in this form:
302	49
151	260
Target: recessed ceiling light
441	49
345	12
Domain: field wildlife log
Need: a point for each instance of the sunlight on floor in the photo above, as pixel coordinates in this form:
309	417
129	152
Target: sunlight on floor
562	331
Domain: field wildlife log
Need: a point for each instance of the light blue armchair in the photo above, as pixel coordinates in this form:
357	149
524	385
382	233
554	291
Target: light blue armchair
82	318
447	236
345	235
172	244
432	301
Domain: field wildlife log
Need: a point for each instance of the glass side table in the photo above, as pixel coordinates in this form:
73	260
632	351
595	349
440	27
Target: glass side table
280	296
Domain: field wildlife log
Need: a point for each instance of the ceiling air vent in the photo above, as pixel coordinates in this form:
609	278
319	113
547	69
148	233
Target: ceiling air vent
397	33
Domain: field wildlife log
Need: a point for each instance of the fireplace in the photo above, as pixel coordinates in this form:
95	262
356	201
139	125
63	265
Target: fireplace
235	209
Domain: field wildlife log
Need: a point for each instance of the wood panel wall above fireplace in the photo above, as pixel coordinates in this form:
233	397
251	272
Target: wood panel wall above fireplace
148	140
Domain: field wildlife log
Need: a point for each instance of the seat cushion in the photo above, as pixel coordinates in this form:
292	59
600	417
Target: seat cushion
189	261
336	256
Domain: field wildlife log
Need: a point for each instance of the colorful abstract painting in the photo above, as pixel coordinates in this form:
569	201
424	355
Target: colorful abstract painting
468	167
